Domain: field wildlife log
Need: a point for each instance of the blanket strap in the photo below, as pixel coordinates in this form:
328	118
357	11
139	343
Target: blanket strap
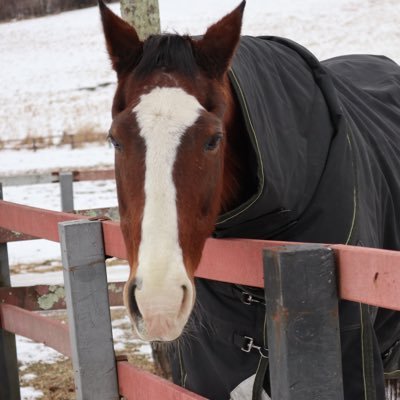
246	344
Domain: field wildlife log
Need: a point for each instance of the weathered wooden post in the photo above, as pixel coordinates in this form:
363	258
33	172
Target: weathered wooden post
9	381
88	310
67	191
303	323
144	15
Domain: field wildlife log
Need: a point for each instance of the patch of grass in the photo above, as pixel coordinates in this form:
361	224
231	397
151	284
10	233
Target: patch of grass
85	134
111	262
55	265
35	142
56	381
45	266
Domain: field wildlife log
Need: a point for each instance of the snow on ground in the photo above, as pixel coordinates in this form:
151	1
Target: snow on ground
23	161
116	273
56	78
30	352
29	393
50	65
94	194
121	340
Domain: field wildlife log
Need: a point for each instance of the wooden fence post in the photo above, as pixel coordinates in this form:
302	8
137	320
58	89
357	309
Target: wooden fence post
9	380
144	15
88	310
67	191
303	323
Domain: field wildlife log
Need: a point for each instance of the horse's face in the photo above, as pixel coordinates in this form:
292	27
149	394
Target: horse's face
168	165
168	131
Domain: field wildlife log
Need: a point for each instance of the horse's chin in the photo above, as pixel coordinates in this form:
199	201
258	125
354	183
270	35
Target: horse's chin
163	331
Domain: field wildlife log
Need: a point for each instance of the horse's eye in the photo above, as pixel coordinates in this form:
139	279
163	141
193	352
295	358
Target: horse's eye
112	140
213	142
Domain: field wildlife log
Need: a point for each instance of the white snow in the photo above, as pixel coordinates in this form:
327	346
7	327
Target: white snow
48	62
30	352
30	393
94	194
24	161
121	338
117	273
28	377
48	66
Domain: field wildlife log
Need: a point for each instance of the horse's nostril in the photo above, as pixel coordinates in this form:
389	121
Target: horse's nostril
184	298
134	309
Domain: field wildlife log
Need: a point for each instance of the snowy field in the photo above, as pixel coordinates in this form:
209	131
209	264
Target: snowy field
53	75
48	65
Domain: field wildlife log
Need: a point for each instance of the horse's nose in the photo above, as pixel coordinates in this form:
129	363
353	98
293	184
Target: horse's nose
160	312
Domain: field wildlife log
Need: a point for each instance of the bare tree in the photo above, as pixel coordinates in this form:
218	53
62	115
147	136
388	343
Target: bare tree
144	15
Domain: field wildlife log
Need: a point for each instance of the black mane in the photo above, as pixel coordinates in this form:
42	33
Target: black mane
170	53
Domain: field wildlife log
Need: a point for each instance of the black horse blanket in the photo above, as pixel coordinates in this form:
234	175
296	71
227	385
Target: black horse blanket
326	168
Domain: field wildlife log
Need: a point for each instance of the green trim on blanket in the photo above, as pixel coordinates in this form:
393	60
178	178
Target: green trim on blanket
260	169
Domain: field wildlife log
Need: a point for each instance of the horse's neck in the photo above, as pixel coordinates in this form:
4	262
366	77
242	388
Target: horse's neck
236	185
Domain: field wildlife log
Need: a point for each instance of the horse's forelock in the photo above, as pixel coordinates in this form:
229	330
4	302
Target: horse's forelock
168	53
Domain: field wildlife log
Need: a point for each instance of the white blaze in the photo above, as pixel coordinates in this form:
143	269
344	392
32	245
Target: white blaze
163	116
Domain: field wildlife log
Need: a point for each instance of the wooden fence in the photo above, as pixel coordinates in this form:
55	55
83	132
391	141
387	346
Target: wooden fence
64	178
364	275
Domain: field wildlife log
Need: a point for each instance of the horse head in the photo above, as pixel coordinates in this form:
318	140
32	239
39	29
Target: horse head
171	115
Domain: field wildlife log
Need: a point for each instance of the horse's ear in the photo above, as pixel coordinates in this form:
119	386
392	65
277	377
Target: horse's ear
123	43
215	50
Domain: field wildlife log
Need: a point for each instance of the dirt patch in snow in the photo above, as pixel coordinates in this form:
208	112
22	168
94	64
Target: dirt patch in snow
55	380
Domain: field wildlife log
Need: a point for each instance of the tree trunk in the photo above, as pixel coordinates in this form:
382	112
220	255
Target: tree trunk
143	15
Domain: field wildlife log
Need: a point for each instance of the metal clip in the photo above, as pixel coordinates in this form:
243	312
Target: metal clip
249	345
248	298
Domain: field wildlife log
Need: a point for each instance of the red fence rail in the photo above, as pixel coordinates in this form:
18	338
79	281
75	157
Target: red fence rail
149	386
55	334
366	275
41	329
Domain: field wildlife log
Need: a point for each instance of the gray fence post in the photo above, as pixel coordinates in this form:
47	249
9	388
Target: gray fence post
67	191
88	310
9	381
303	323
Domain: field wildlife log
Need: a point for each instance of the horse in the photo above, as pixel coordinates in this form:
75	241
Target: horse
231	136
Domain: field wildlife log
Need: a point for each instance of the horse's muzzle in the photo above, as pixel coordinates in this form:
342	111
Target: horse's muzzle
159	313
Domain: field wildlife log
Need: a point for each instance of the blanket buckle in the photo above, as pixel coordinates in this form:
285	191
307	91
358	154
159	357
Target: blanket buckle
248	345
